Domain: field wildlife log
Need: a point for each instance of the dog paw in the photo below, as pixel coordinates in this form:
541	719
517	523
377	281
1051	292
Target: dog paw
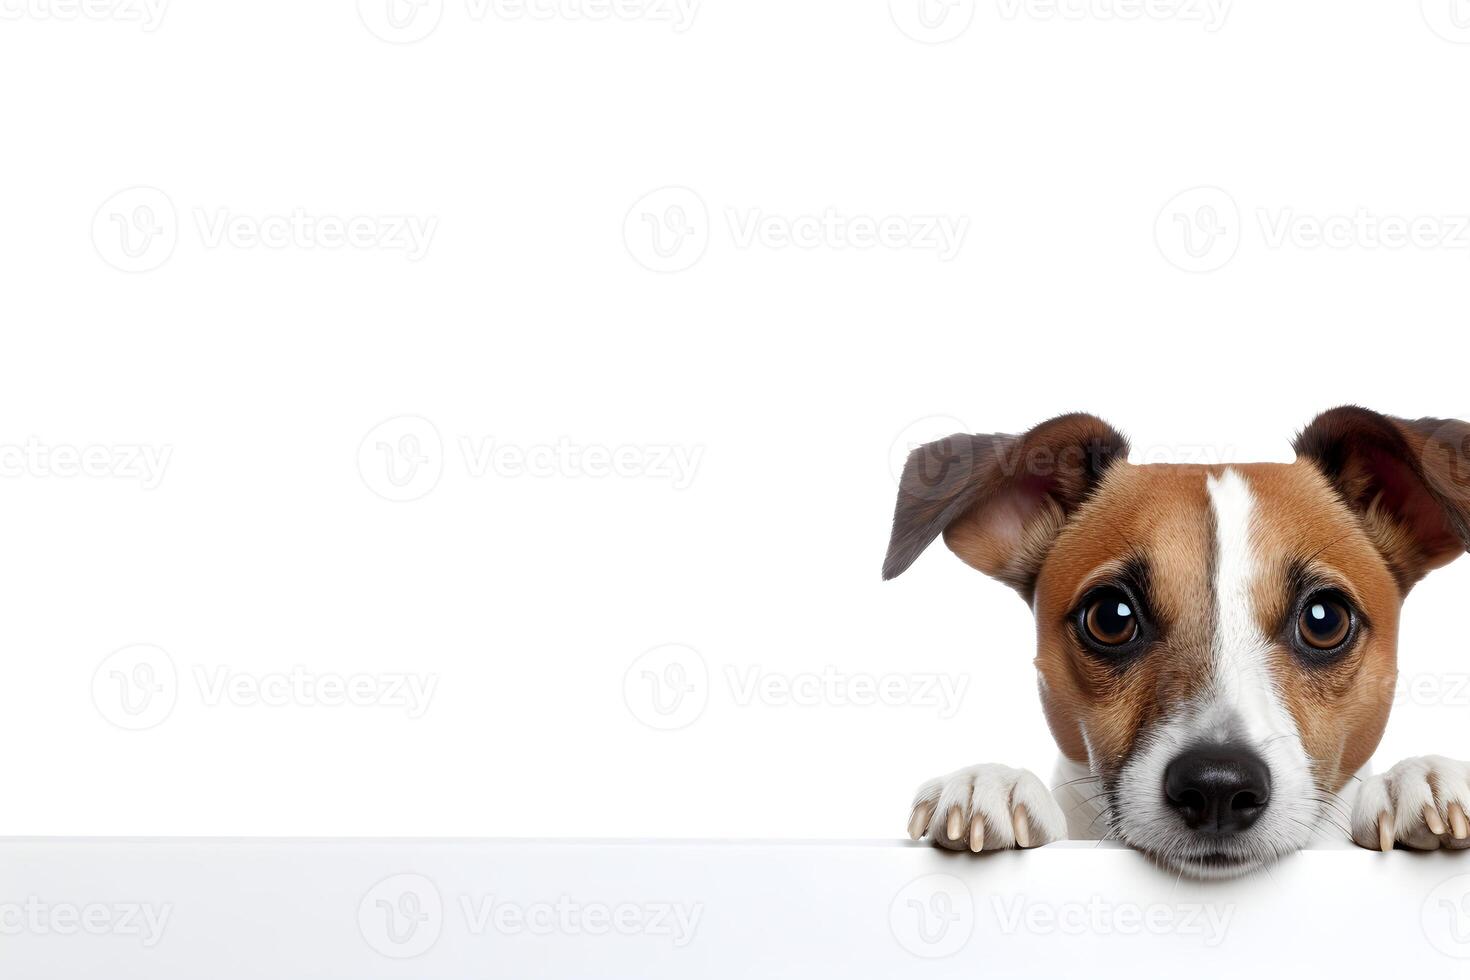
1420	803
986	808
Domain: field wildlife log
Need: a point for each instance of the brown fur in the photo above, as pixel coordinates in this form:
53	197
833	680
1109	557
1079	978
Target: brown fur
1161	515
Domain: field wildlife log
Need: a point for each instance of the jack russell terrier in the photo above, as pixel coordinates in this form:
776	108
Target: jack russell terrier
1216	645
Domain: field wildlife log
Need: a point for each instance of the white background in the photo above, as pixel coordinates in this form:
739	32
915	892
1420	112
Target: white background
794	375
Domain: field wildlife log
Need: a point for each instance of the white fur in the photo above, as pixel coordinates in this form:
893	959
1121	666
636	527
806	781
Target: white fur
993	791
1404	793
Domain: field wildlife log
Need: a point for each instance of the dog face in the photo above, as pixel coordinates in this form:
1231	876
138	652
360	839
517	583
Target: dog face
1217	643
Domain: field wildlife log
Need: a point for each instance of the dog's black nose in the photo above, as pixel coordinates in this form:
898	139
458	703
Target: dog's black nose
1218	789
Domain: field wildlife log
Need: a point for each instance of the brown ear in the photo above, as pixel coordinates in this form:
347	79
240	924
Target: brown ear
1408	481
999	500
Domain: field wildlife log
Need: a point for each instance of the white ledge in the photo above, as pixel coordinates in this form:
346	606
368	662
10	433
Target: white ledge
429	909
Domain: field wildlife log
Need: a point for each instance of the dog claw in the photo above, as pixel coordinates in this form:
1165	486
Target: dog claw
1432	821
1385	832
954	828
1458	826
977	833
1022	827
919	820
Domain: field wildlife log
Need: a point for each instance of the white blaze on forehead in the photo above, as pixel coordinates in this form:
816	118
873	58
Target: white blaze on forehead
1239	705
1243	701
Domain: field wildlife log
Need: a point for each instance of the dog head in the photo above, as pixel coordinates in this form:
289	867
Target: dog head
1216	643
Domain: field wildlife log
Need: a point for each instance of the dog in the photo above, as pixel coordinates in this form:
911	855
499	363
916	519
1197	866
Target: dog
1216	644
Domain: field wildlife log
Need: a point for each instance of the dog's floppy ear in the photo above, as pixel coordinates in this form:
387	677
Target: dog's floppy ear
1408	481
999	500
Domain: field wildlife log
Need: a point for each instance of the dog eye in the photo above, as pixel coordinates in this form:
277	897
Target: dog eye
1325	621
1110	619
